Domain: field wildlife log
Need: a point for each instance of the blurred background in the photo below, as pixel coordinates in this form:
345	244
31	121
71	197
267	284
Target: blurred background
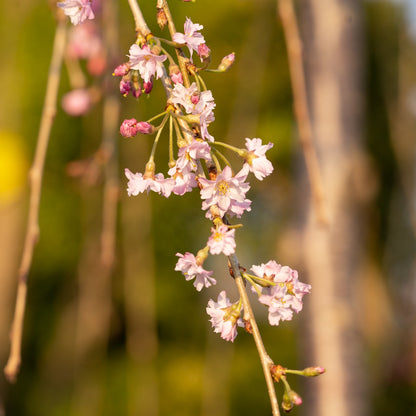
125	334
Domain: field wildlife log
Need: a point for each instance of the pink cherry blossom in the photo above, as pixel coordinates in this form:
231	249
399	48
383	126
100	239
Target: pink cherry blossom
191	268
184	180
256	159
191	38
183	96
225	317
77	10
77	102
222	241
138	183
206	117
285	297
190	154
200	104
227	192
146	62
84	41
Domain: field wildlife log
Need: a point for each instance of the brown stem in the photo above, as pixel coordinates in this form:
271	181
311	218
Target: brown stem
35	180
141	26
294	52
265	360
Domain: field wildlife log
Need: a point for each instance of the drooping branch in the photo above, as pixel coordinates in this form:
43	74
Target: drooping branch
35	180
297	75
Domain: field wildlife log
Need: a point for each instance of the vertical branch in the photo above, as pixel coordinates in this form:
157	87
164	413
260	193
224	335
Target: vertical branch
265	360
297	75
141	26
35	180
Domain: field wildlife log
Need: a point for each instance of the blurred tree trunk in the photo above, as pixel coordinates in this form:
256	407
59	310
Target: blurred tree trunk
333	49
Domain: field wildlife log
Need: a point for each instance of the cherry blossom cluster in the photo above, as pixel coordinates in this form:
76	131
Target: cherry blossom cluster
224	191
196	161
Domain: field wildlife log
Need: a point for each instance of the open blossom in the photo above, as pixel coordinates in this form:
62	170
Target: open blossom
191	38
285	297
222	240
138	183
200	104
189	155
191	268
185	180
227	192
146	62
206	117
77	10
256	159
225	317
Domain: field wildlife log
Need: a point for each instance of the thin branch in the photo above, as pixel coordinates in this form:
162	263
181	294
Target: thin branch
35	180
297	75
266	361
141	26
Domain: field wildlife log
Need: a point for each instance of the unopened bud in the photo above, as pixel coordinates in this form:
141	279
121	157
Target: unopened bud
203	51
125	86
226	62
144	127
147	86
287	405
129	128
122	70
175	74
294	398
313	371
161	18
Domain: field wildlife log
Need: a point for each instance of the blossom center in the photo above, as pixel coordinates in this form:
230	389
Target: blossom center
223	187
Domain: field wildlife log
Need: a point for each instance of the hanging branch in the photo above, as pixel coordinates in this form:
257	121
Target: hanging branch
35	180
297	75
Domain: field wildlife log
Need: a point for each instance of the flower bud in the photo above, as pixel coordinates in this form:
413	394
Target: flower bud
122	70
161	18
144	127
76	102
287	405
226	62
294	398
125	86
203	51
175	74
313	371
129	127
147	86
